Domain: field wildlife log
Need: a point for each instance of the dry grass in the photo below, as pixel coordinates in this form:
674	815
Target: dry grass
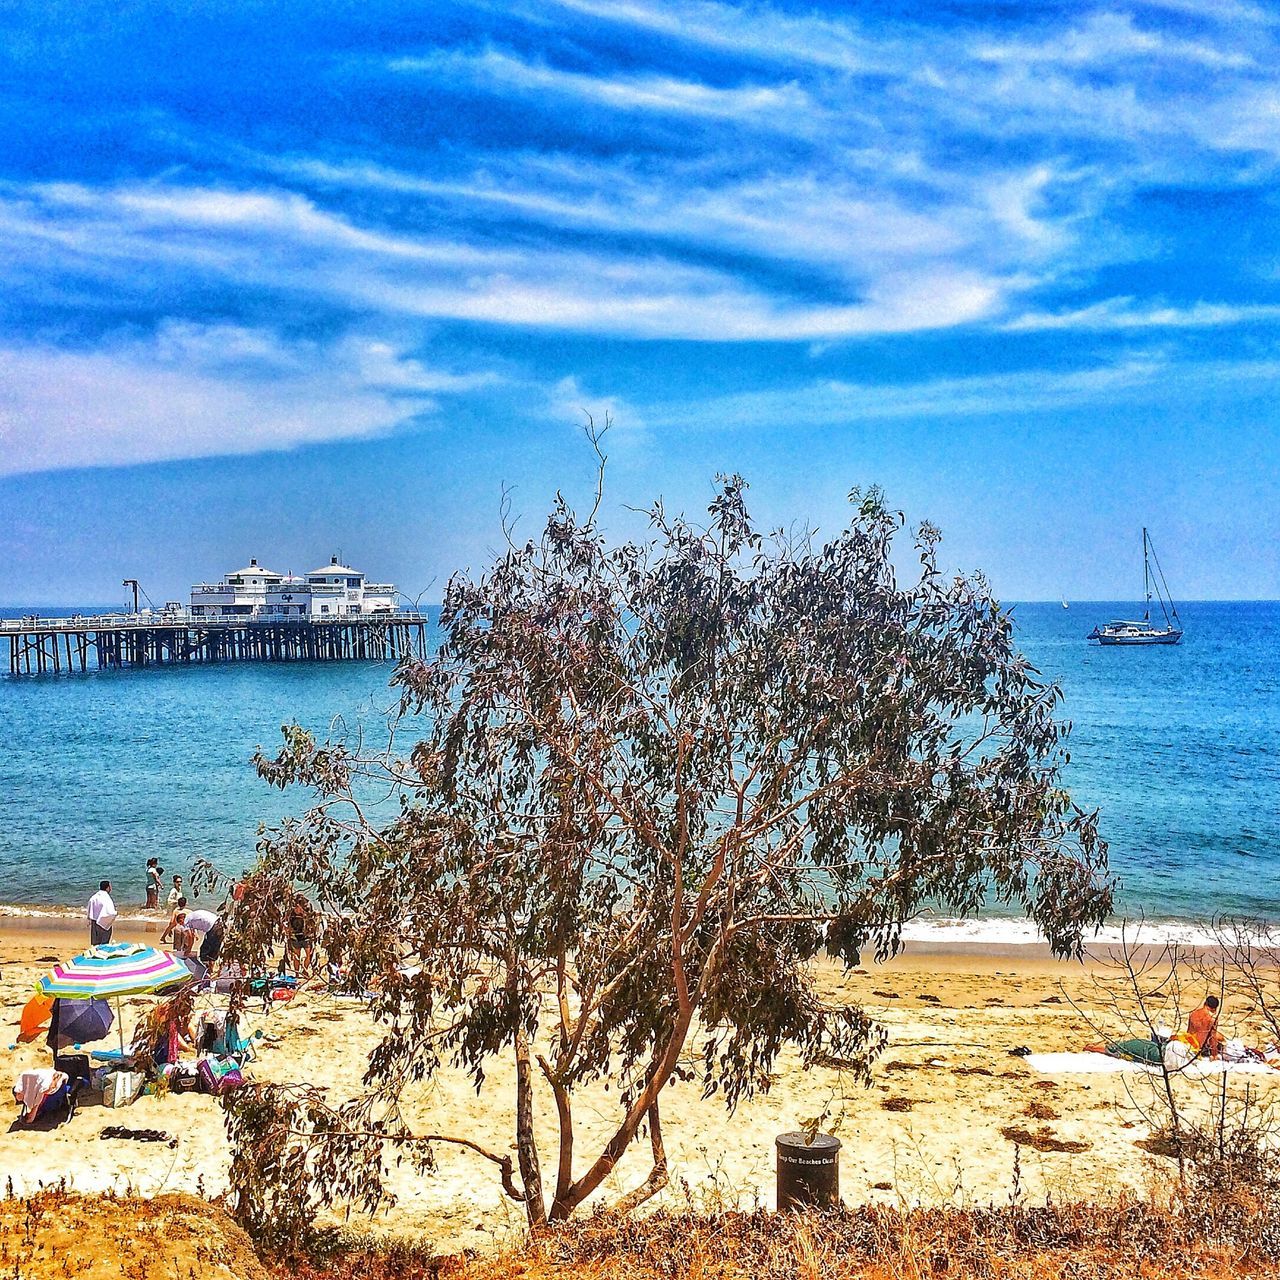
57	1235
1128	1239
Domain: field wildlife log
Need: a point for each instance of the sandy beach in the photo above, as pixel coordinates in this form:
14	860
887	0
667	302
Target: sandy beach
929	1130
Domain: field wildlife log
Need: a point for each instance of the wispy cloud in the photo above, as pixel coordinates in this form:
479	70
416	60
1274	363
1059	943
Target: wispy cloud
665	94
833	401
281	241
759	31
1126	313
569	401
1105	38
189	391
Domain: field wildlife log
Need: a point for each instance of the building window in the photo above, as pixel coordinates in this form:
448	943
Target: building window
324	608
353	583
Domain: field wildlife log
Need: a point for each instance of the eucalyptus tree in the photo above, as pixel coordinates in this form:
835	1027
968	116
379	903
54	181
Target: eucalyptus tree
650	784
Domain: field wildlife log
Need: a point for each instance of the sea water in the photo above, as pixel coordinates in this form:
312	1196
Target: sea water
1178	746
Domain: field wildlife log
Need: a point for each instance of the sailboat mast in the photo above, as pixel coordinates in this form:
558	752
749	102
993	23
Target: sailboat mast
1146	576
1162	591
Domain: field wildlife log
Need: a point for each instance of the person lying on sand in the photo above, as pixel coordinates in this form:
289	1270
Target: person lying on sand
1134	1050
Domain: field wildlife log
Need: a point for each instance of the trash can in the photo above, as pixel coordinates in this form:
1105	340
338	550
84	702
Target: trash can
808	1172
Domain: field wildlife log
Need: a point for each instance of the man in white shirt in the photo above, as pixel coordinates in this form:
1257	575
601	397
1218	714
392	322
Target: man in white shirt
102	915
201	921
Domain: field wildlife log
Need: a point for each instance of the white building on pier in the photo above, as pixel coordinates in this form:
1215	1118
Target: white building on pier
330	592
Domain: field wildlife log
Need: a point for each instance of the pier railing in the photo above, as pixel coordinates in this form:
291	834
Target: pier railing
175	637
185	618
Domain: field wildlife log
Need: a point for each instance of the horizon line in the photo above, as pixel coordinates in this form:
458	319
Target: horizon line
111	607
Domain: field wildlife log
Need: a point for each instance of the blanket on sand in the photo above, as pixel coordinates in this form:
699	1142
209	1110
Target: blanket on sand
1054	1064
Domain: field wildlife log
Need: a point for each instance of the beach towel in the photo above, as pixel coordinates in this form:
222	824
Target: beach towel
1055	1064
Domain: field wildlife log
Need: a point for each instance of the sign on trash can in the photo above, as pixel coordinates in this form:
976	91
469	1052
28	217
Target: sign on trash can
808	1173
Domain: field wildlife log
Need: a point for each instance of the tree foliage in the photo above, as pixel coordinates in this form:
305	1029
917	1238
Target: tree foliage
651	783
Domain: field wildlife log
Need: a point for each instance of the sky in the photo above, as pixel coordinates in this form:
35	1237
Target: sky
286	280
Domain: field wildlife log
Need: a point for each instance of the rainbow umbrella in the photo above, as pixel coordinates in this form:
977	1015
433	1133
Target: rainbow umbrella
113	970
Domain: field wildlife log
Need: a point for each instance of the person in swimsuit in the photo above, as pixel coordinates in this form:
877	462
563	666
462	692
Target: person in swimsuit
154	874
177	928
1202	1023
300	935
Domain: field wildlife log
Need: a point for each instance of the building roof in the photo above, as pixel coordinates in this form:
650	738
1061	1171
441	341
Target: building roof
334	567
255	568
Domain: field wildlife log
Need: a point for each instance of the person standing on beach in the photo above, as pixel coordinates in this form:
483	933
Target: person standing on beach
175	893
183	937
154	874
102	915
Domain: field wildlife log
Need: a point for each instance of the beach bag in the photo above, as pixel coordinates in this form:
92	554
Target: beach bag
182	1077
122	1088
218	1076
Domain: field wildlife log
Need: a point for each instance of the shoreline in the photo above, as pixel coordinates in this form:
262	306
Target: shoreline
995	939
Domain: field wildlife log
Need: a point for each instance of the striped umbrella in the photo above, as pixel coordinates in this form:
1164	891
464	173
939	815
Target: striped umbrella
113	970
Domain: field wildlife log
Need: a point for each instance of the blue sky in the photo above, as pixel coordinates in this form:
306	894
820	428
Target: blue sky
282	279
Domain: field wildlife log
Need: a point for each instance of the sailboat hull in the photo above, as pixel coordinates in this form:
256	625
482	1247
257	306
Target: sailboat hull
1155	637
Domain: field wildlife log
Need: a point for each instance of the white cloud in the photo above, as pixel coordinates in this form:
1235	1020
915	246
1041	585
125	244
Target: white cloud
668	95
192	391
1126	313
569	401
1105	38
279	241
757	30
842	180
829	402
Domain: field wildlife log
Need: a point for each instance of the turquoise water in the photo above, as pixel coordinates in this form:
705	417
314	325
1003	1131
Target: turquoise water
1179	747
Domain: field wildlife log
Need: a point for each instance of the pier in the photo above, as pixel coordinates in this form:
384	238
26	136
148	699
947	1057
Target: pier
39	646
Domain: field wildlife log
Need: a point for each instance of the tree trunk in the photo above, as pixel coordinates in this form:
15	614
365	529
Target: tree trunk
657	1178
526	1141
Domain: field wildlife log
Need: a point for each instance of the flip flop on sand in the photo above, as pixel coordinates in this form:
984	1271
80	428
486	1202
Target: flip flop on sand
137	1135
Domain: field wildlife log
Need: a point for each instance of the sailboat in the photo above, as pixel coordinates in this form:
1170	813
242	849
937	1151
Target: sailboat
1127	631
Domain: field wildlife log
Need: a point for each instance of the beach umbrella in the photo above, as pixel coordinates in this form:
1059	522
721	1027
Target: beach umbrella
114	970
82	1021
35	1017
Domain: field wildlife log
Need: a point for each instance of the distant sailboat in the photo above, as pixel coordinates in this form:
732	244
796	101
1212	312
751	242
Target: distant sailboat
1124	631
1065	605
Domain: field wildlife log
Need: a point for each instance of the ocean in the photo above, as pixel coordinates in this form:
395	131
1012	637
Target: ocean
1178	746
